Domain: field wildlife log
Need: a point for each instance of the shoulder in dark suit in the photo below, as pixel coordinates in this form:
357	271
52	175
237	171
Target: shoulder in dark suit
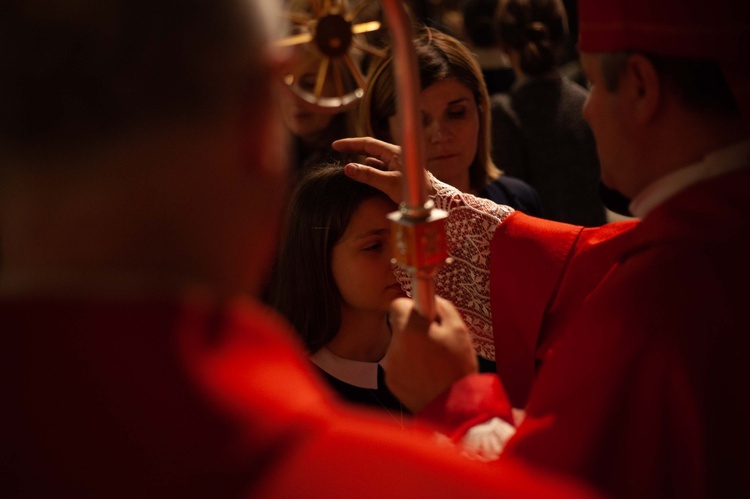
514	193
539	135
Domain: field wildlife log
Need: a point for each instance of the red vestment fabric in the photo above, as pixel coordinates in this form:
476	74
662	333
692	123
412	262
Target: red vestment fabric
194	398
643	334
531	260
644	392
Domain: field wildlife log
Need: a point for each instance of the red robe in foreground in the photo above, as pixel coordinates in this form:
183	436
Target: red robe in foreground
644	331
189	398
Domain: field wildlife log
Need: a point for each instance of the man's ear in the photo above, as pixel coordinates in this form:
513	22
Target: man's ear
644	88
274	144
267	139
264	139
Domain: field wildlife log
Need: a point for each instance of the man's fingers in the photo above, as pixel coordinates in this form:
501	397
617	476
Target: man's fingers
447	312
367	146
375	163
386	181
404	317
453	326
394	164
401	308
426	357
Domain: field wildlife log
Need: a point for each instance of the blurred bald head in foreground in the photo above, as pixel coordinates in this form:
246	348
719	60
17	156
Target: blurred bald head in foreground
142	179
138	143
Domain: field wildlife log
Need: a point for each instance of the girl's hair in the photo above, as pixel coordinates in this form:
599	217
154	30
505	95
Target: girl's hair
303	288
439	57
536	29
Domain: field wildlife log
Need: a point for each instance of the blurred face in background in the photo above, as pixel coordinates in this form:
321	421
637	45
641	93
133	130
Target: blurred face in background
299	117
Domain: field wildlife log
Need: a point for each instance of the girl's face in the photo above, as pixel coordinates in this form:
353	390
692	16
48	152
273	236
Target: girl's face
361	260
450	118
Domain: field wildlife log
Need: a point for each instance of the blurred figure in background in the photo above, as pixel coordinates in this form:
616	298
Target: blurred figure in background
570	64
313	129
480	34
539	134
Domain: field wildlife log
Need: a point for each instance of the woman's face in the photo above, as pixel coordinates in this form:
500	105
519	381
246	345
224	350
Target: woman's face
450	119
300	118
361	260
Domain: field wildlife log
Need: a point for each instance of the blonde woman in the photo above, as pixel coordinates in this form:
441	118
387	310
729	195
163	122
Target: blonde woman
456	118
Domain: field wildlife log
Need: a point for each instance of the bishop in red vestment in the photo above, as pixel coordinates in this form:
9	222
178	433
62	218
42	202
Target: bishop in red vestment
625	344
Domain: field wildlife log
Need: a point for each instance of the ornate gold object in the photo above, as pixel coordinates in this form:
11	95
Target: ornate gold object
334	35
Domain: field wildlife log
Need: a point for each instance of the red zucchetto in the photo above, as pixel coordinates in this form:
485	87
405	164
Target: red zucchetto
717	29
701	29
